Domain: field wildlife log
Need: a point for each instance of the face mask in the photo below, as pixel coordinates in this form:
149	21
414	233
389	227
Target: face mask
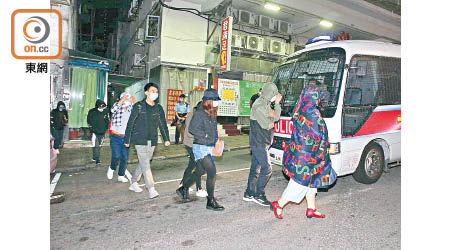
101	110
215	103
153	96
61	109
127	103
273	99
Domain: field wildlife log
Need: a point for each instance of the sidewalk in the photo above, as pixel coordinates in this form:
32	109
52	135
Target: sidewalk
76	156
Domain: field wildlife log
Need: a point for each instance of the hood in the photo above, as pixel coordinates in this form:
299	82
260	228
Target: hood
99	103
60	103
261	108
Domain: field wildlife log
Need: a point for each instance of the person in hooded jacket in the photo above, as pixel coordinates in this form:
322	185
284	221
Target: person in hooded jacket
58	120
203	127
262	122
98	120
306	158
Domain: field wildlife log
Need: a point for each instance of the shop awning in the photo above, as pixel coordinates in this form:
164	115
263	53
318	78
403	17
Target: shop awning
123	80
87	60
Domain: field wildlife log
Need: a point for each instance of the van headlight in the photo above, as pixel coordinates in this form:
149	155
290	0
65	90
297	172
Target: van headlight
335	148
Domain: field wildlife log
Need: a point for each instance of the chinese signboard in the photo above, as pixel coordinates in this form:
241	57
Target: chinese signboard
229	93
172	99
247	90
225	44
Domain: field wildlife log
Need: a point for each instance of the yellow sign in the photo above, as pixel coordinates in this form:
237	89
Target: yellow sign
228	94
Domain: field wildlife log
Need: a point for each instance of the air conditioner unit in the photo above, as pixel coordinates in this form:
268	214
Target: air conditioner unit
266	22
255	43
284	27
247	17
236	41
137	60
277	47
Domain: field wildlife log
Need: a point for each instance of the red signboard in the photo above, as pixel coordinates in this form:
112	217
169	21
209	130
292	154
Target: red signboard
225	44
172	99
284	126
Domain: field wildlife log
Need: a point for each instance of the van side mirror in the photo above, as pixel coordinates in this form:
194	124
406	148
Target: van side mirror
353	96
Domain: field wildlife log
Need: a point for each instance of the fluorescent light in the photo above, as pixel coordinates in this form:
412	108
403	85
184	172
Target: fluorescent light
272	6
326	23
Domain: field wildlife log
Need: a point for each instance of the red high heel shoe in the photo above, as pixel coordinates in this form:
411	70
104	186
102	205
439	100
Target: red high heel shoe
313	213
275	207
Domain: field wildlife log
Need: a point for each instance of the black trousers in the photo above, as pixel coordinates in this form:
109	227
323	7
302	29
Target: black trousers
207	165
191	168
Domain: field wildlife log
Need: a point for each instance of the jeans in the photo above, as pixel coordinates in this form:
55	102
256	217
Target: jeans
58	135
145	154
96	148
191	169
119	153
260	172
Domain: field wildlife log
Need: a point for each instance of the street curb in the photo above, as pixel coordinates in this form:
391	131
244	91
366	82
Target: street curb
158	158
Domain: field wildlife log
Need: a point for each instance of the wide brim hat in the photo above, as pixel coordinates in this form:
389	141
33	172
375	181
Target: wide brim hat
211	94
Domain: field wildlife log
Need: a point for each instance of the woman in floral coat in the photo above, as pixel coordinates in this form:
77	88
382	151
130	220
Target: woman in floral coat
306	159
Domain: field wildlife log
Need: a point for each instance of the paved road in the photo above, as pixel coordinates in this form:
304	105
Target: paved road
102	214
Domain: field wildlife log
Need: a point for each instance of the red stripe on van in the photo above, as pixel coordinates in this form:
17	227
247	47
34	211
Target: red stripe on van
381	122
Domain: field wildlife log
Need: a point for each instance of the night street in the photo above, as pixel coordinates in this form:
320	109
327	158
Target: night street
103	214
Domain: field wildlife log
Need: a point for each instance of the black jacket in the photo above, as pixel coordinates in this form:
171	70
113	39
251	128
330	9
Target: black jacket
203	128
58	119
259	137
142	125
98	120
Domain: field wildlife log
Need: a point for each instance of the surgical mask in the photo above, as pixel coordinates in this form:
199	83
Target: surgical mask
101	110
215	103
153	96
61	109
127	103
273	99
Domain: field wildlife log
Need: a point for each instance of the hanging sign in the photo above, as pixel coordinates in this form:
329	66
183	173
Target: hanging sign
225	44
172	99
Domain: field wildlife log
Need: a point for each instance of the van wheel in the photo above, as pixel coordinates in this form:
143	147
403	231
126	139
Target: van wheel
370	165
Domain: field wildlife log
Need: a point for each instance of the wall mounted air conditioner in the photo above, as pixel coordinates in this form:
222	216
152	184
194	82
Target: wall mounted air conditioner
255	43
247	17
236	41
277	47
284	27
137	60
266	22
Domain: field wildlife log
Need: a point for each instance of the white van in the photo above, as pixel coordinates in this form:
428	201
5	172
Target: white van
361	80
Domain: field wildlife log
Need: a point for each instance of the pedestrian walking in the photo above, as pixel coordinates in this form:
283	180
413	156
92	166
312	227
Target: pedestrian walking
262	122
306	157
98	119
142	131
181	113
58	120
188	142
120	113
203	127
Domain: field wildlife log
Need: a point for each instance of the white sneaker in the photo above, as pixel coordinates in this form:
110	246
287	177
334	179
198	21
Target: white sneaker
122	179
152	193
191	190
57	151
110	173
201	193
134	187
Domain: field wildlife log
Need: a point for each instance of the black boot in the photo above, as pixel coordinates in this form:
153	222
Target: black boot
183	193
213	205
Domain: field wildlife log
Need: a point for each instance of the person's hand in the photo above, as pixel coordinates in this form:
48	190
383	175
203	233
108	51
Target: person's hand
123	99
127	145
133	100
167	143
278	98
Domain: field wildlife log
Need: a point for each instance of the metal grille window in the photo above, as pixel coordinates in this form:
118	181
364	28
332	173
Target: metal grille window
372	81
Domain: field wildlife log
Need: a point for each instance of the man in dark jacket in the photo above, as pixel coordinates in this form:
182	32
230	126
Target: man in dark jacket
58	119
98	119
262	121
142	131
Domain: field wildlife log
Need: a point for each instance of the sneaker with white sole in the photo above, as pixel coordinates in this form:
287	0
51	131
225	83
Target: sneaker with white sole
201	193
134	187
110	173
122	179
248	197
152	193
